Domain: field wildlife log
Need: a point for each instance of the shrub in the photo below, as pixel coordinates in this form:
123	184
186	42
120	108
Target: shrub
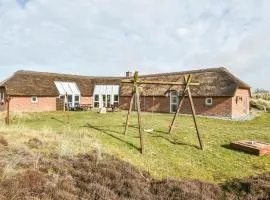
3	141
80	177
34	143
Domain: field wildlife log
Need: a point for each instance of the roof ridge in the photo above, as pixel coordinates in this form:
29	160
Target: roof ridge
62	74
184	72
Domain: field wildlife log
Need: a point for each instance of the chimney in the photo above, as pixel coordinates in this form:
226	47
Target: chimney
129	74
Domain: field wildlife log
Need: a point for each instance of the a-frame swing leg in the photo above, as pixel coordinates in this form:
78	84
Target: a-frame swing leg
187	90
194	118
180	104
129	112
136	96
8	109
139	120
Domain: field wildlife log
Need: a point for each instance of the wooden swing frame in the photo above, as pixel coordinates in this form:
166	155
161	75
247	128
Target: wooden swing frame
136	96
7	104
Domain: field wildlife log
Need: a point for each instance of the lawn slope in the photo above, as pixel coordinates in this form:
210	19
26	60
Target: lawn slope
166	156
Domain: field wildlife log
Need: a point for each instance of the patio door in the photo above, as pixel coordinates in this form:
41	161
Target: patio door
106	100
106	95
70	101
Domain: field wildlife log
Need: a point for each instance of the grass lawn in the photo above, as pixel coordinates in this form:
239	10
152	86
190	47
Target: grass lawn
166	156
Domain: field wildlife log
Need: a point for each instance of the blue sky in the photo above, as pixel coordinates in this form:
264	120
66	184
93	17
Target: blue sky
109	37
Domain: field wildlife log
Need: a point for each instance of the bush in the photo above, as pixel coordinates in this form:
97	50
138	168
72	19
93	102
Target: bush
88	177
34	143
3	141
264	96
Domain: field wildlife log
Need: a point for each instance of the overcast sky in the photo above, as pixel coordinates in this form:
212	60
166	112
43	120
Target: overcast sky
109	37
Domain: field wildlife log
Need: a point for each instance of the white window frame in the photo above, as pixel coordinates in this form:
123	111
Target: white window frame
207	101
106	95
69	89
76	102
36	101
97	101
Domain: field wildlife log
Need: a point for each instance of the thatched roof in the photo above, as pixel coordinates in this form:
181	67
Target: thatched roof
29	83
213	82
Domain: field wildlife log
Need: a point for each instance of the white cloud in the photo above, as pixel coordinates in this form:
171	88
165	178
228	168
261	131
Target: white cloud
108	37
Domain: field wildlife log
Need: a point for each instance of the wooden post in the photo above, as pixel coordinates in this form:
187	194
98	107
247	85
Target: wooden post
65	103
8	109
139	119
187	81
136	97
194	118
129	111
66	108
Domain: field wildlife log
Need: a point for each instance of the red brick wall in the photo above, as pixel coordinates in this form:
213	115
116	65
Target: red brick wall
240	103
222	106
86	100
160	104
24	104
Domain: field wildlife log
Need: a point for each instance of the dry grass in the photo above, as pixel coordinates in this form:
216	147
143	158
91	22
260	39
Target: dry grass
87	176
166	156
265	96
261	101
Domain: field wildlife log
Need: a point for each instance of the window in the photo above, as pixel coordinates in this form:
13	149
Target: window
104	100
116	99
34	99
2	96
106	95
108	100
62	97
76	101
77	98
173	101
209	101
239	99
96	101
70	92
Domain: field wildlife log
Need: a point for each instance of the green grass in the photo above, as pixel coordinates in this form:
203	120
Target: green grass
166	156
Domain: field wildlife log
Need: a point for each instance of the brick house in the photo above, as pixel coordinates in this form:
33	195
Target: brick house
220	93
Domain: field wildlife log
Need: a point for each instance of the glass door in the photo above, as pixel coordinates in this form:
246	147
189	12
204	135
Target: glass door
108	101
104	100
70	101
174	99
97	101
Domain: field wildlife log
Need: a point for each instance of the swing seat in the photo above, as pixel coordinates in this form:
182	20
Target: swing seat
150	130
